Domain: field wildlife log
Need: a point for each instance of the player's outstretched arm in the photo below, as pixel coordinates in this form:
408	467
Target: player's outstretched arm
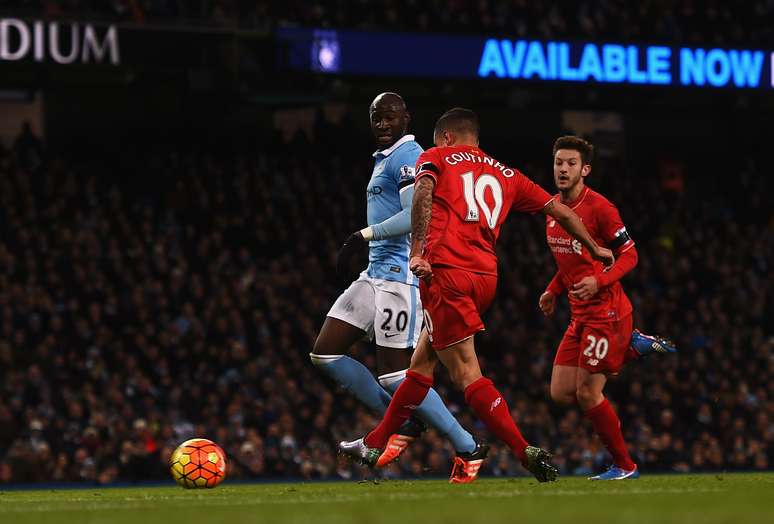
574	226
398	224
421	212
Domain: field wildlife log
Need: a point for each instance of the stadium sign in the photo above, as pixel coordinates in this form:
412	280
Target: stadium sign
58	42
621	64
405	54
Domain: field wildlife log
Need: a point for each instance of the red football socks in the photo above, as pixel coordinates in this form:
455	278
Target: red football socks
410	394
608	427
492	410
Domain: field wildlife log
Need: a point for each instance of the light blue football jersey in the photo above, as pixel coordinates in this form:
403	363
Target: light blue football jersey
393	170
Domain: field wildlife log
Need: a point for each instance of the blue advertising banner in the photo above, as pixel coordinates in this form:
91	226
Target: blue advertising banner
445	56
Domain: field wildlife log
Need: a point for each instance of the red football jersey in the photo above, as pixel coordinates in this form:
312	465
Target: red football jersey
604	224
473	195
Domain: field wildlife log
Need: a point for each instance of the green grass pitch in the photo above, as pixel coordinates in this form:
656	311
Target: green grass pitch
728	498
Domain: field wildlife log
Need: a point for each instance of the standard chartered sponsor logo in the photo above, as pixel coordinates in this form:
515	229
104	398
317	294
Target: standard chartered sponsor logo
559	240
564	245
577	247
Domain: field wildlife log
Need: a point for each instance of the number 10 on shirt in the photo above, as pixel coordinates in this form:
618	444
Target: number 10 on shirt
474	191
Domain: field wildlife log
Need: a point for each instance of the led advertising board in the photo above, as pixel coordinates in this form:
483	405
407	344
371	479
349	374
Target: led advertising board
439	56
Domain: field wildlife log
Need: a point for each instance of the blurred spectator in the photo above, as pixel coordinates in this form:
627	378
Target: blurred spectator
28	148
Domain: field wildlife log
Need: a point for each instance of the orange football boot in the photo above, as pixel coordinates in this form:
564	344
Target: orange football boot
399	442
394	449
466	465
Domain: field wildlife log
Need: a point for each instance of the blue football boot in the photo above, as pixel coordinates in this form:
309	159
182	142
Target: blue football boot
647	344
616	473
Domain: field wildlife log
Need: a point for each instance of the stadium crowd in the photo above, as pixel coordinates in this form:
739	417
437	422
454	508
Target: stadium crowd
685	21
179	294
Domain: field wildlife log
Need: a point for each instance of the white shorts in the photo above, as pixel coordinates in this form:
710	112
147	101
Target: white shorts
389	312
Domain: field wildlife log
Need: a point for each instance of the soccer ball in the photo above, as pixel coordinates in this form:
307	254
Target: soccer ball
198	463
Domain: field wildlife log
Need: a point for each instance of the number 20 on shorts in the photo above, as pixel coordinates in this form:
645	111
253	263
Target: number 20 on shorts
597	347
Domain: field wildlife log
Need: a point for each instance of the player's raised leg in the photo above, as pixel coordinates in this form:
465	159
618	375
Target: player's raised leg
642	344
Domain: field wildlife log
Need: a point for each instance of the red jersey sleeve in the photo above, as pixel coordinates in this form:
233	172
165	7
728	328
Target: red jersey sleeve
623	264
528	197
612	229
556	286
428	164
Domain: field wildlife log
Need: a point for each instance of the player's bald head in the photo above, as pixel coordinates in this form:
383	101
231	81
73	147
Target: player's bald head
388	102
389	119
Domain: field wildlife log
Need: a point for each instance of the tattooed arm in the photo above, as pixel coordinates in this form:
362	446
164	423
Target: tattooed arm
421	212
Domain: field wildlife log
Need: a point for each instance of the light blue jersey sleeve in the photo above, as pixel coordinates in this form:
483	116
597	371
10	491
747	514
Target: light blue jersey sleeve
401	167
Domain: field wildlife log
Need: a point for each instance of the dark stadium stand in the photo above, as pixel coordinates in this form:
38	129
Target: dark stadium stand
178	293
684	21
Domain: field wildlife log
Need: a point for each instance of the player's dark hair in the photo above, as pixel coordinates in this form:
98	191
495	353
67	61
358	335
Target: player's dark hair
459	120
576	143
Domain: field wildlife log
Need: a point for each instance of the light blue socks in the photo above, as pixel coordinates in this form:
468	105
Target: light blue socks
355	378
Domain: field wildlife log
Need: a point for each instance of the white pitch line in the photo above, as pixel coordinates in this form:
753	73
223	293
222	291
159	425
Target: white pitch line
141	502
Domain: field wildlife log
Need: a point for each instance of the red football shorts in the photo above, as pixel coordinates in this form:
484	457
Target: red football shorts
454	301
599	347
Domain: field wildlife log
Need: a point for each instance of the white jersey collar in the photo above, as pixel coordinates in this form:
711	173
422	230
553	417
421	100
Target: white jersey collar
393	147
